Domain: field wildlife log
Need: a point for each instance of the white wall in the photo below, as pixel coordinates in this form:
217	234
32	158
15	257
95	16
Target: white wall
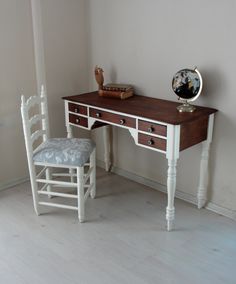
144	43
66	57
65	47
17	75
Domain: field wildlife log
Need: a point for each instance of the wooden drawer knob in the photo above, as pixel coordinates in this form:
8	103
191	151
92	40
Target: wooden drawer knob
76	110
150	142
150	129
77	120
98	114
122	121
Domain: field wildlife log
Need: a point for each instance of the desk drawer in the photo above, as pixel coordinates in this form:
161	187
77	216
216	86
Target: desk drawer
112	117
152	141
79	120
77	109
152	128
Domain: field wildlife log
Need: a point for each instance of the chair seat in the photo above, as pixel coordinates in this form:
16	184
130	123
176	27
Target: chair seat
64	151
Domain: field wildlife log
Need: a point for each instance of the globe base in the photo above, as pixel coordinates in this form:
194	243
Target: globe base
186	107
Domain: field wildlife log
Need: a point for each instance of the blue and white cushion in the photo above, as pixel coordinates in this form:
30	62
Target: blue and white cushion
64	151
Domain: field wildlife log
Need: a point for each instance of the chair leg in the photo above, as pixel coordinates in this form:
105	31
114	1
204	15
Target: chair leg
93	174
80	193
71	172
49	177
34	187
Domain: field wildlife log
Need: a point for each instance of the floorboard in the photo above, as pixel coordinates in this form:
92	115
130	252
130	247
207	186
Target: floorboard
123	241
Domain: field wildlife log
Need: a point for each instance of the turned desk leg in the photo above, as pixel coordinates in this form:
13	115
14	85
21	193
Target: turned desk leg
172	155
203	180
171	186
204	172
69	131
107	147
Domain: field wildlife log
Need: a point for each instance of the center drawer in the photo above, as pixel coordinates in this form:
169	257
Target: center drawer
112	117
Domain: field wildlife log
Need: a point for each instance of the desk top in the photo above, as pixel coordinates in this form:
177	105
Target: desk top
146	107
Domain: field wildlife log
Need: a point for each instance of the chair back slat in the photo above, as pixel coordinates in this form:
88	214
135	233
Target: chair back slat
37	134
33	100
36	118
36	125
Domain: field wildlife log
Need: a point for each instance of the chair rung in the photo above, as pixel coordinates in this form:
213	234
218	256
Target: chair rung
63	175
88	191
56	182
88	174
58	205
59	194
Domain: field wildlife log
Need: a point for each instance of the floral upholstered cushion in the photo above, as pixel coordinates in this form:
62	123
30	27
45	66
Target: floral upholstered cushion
64	151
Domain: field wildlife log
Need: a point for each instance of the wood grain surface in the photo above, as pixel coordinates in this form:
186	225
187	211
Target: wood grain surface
142	106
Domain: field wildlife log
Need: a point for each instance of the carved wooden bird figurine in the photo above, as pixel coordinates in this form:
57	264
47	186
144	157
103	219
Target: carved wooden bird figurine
99	77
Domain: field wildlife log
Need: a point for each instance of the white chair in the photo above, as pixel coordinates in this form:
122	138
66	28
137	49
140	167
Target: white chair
75	155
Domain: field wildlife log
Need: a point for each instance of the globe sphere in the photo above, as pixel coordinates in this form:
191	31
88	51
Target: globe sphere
187	84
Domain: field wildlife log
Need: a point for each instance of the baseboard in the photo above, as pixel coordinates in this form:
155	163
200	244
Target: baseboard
221	210
147	182
178	194
13	183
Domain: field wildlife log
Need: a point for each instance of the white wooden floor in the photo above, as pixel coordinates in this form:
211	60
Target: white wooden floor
123	241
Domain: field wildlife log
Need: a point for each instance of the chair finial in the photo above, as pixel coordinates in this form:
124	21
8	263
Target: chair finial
22	100
42	93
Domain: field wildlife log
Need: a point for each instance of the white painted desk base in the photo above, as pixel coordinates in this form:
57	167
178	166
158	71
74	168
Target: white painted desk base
172	155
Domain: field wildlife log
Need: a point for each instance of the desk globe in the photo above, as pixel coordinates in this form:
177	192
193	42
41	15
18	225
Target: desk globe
187	85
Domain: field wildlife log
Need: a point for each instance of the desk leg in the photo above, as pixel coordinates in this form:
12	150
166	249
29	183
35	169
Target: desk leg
203	180
171	186
107	147
204	173
172	155
69	131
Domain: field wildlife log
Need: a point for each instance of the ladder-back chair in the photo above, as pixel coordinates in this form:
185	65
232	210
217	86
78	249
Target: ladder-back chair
46	155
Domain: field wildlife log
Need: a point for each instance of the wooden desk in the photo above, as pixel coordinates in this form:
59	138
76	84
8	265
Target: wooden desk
154	124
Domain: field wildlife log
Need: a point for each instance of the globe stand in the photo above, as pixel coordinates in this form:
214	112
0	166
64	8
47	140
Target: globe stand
186	107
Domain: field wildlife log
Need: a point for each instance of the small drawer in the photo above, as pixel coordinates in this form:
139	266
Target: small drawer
79	120
112	117
77	109
152	128
152	141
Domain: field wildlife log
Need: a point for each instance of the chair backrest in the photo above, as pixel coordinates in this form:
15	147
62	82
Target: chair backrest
34	114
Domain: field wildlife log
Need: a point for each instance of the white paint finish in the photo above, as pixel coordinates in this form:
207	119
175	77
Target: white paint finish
122	242
172	155
204	170
107	147
80	193
155	48
92	180
39	104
